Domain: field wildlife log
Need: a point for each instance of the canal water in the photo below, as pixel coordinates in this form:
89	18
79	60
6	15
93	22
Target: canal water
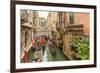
52	53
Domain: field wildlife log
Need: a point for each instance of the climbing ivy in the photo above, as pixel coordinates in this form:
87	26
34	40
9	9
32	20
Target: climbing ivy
81	46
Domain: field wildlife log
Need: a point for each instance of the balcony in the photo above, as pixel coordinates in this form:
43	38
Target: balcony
75	29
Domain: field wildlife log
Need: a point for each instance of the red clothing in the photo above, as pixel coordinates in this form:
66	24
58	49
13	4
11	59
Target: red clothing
25	55
34	40
43	41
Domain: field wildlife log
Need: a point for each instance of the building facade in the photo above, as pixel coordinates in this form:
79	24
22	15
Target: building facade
52	22
77	25
41	26
33	20
24	16
28	28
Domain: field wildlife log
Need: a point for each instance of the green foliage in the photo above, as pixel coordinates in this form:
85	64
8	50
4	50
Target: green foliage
81	46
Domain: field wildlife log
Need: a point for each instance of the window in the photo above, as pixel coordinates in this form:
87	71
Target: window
71	18
26	38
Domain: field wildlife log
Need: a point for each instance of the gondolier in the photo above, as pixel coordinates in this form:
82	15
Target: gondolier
43	45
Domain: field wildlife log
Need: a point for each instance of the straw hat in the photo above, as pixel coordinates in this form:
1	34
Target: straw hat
37	55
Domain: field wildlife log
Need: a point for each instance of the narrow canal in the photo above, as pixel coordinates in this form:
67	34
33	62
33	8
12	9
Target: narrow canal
52	53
